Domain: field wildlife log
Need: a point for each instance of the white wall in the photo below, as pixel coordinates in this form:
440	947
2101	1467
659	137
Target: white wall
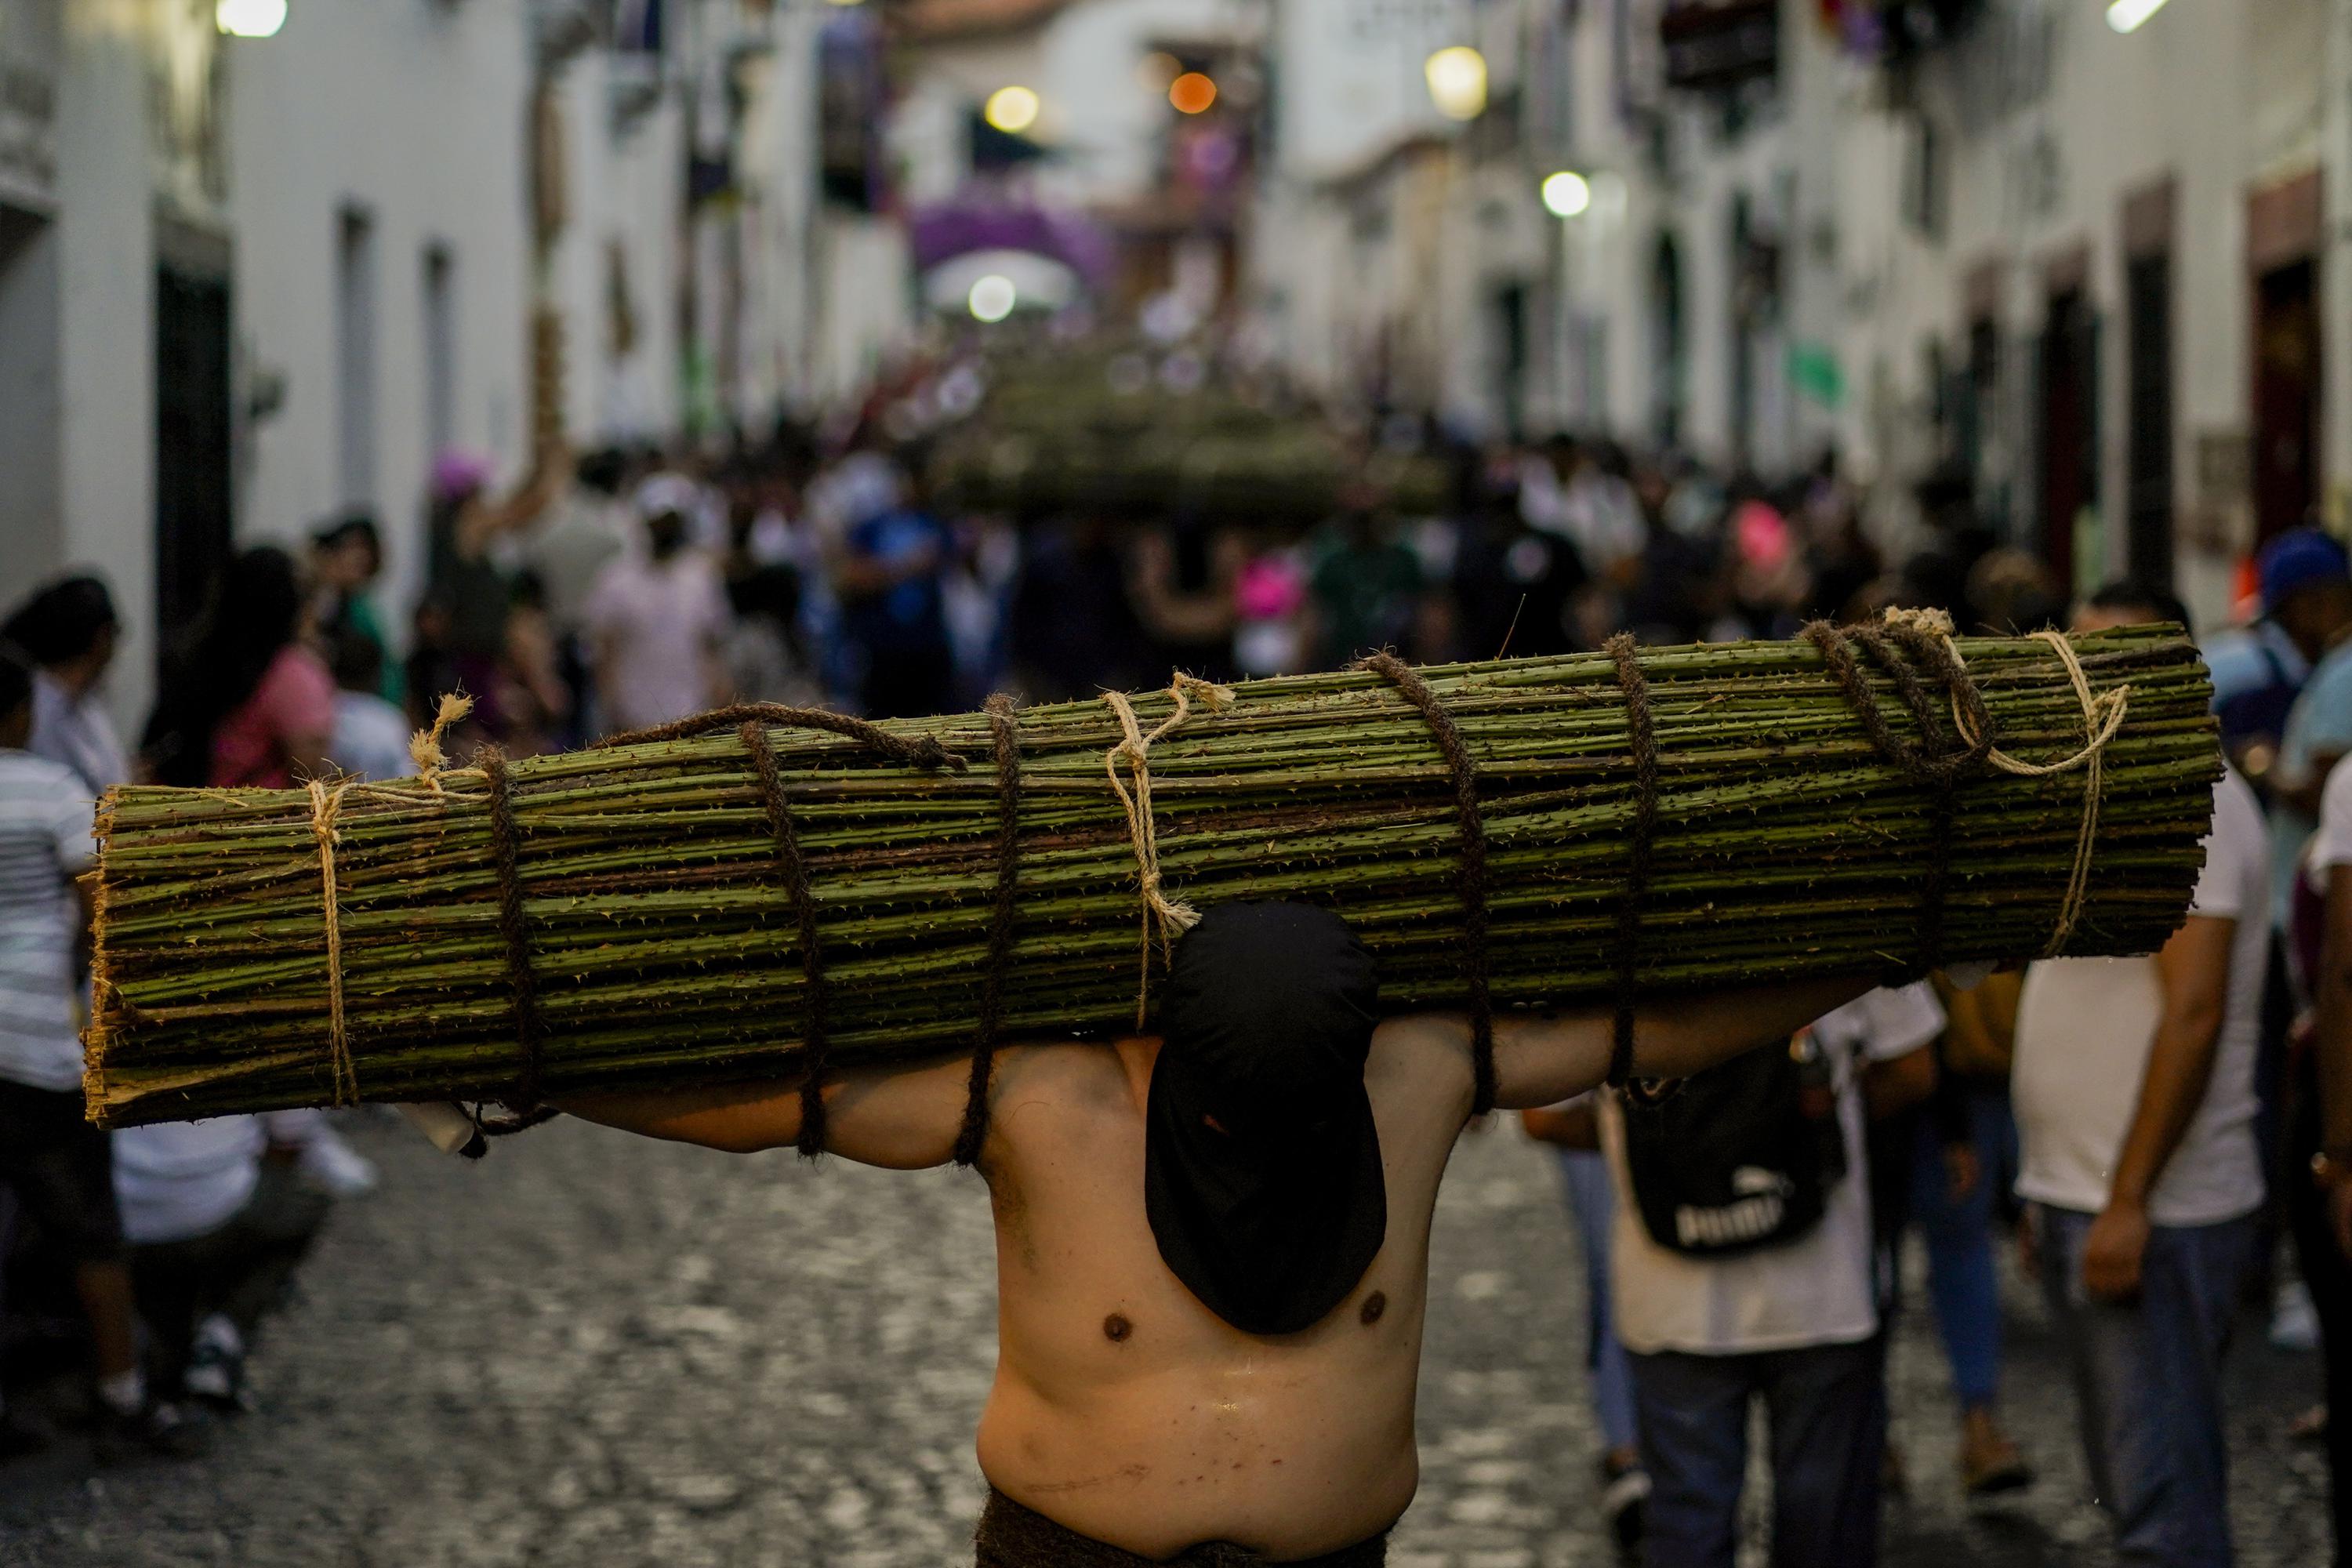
417	115
623	191
107	325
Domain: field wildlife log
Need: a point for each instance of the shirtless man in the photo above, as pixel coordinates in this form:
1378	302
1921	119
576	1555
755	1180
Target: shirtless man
1213	1247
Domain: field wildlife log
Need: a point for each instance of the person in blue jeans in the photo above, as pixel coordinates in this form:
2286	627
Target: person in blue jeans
1956	1166
2136	1109
1942	1167
1793	1324
1573	1130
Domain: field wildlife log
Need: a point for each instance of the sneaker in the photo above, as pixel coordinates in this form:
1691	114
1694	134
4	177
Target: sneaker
2294	1321
1624	1506
161	1429
215	1377
335	1168
1990	1465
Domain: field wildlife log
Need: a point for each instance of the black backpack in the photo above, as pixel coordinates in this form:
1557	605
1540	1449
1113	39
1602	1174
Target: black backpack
1742	1157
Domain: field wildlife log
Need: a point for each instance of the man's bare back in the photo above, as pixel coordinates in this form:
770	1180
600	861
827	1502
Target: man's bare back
1123	1408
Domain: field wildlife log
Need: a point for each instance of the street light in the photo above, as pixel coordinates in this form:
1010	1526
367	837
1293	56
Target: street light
2125	16
249	18
1566	193
1011	110
992	298
1458	82
1192	93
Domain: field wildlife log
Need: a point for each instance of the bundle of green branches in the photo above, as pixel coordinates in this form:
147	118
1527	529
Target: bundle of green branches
648	906
1282	478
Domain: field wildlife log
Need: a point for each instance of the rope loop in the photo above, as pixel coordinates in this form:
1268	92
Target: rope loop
1929	634
815	1042
1470	878
522	986
917	752
1001	920
1640	741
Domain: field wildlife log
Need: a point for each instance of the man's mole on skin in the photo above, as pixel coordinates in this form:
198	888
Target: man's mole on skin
1117	1328
1374	1305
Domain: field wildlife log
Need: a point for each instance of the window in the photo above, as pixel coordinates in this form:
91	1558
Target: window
355	357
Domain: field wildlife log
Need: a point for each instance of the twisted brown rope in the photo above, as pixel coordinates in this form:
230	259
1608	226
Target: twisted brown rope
974	1131
919	751
815	1045
750	720
1933	760
506	846
2103	720
1640	740
1471	874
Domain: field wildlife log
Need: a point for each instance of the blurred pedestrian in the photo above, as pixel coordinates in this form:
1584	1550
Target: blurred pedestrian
2135	1108
2306	574
216	1231
656	618
1073	629
2258	671
370	738
1366	581
57	1164
1573	1130
1743	1270
68	632
890	577
346	559
251	705
472	550
2317	1169
1942	1165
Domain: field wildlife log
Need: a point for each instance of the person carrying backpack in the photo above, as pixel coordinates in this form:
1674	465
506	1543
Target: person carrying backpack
1743	1270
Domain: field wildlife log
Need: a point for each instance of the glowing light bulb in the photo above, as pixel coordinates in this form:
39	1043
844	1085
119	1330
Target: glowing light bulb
1566	193
1458	82
249	18
992	298
2125	16
1192	93
1010	109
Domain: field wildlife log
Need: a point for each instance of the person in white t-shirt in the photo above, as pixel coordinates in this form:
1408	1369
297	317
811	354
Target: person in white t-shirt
2134	1088
1794	1323
216	1231
58	1165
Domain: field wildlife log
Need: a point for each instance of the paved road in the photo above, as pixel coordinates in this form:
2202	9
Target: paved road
593	1350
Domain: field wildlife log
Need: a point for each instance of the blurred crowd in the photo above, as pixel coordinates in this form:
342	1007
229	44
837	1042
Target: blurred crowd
2157	1130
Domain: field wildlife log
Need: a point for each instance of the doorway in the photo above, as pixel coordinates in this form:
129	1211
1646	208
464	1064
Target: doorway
193	487
2286	396
2070	480
2148	308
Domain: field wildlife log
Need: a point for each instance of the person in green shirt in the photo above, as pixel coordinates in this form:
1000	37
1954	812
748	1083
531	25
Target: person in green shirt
1367	581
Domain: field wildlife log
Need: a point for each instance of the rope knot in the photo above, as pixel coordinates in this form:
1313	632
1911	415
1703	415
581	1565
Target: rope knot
1170	918
424	747
326	804
1926	622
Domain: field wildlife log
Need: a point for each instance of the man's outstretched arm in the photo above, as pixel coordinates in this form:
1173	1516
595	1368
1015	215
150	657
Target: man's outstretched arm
1543	1060
902	1119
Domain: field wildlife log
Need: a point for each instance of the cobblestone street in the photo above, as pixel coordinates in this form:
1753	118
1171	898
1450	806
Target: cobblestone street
593	1350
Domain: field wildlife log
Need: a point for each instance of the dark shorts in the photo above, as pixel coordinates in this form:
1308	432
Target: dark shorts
61	1169
1013	1536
